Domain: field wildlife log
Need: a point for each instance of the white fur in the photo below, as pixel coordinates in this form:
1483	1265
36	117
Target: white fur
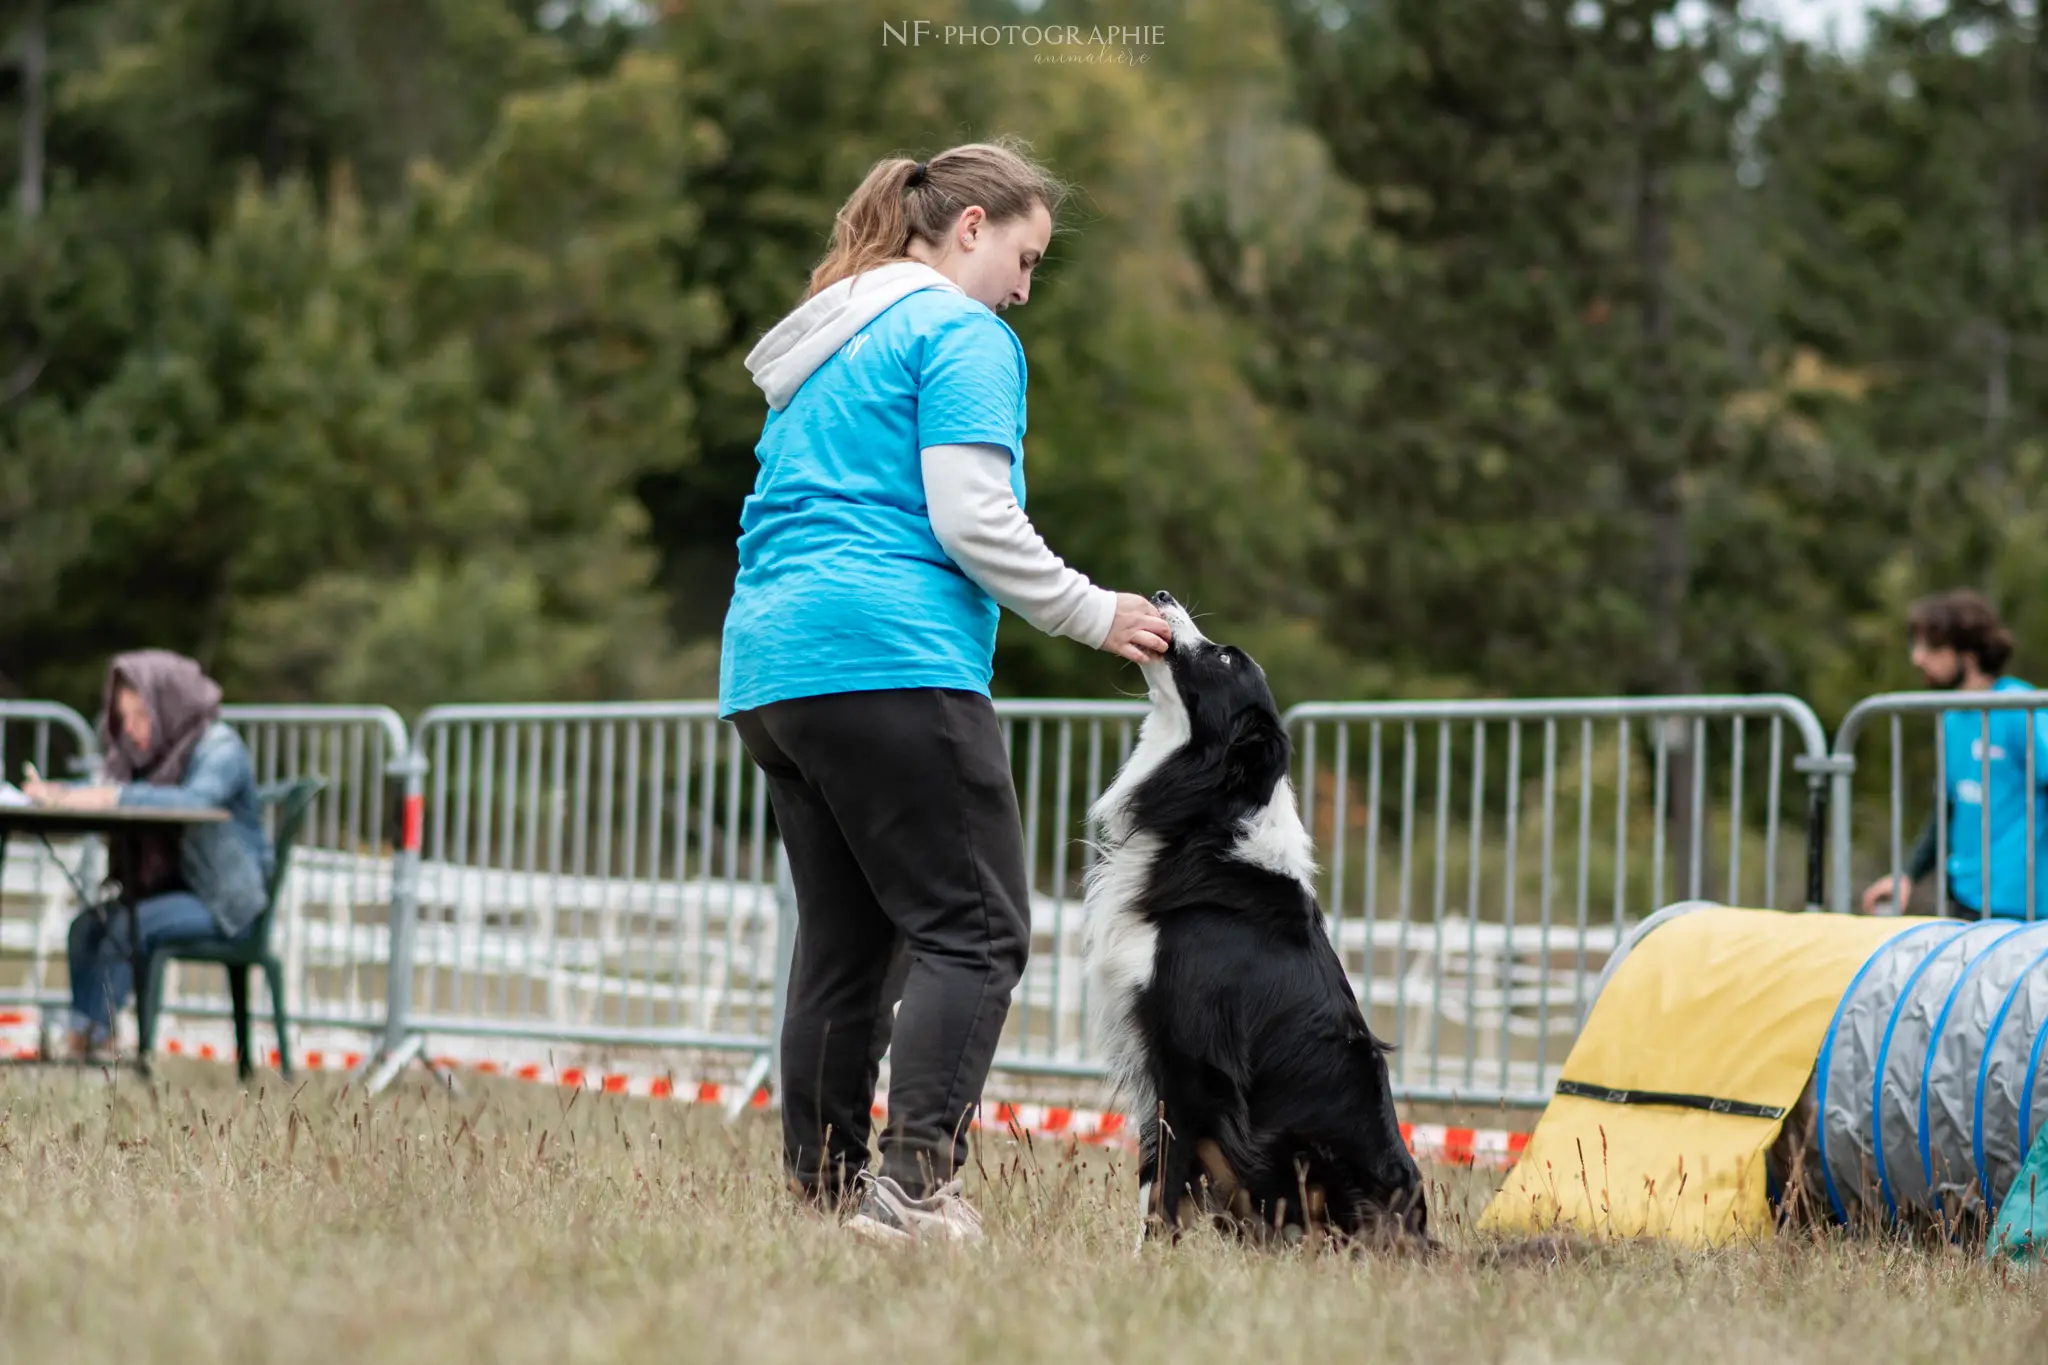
1276	840
1120	943
1162	732
1120	946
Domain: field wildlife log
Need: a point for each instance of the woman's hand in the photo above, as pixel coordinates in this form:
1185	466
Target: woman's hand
1138	633
59	797
41	792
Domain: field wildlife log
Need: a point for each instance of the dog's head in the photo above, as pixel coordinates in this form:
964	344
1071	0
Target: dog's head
1216	697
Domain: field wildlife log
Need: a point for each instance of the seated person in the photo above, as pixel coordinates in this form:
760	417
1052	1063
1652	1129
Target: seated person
165	745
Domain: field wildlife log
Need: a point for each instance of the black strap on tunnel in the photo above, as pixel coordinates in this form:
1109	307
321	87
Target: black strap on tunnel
1712	1104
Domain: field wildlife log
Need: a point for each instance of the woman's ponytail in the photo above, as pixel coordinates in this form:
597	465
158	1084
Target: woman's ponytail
903	200
873	227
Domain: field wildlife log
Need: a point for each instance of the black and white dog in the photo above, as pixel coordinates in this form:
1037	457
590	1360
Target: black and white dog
1231	1030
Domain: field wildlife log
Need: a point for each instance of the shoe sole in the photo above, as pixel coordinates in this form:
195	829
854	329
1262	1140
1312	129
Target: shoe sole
877	1232
881	1234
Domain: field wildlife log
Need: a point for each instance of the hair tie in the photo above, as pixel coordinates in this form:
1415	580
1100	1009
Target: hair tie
916	176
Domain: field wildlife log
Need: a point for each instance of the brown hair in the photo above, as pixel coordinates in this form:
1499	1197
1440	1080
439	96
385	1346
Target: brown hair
1963	621
902	200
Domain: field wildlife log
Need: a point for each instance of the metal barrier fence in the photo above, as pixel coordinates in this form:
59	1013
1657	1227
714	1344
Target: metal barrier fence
37	898
590	874
607	875
1475	955
54	738
1986	721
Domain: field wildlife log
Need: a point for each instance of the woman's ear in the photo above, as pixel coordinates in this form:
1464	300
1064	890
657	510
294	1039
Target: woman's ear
967	227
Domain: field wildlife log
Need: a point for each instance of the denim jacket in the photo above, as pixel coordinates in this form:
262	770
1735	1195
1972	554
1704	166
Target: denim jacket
227	865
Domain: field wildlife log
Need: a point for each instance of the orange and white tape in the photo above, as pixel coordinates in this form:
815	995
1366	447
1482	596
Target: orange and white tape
1488	1148
1482	1147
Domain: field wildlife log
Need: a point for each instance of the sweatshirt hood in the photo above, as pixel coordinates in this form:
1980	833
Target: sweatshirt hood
796	346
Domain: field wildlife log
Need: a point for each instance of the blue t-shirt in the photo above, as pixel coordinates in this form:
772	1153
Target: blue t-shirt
843	586
1964	770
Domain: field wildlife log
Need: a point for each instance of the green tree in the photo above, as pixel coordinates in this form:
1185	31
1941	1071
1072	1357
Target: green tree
395	451
1496	369
1907	183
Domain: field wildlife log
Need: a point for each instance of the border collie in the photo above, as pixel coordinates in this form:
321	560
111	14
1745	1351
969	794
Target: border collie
1232	1033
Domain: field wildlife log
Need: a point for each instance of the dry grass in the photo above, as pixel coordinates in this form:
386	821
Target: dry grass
196	1222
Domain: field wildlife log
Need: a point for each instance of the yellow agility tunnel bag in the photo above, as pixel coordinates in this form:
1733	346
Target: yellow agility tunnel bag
1924	1041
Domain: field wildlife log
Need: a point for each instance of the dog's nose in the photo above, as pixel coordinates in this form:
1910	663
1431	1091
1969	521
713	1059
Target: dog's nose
1162	598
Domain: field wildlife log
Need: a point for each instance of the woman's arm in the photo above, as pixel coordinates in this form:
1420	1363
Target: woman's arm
975	515
970	425
212	776
214	773
60	796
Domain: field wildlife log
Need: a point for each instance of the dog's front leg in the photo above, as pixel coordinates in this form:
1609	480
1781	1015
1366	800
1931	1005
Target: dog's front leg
1150	1138
1160	1178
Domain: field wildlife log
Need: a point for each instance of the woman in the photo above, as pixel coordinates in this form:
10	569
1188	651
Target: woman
885	530
165	745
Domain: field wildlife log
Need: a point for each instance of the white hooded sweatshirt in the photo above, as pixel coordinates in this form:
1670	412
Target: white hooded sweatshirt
973	510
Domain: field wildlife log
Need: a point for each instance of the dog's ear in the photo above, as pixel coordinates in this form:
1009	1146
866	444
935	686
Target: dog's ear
1256	754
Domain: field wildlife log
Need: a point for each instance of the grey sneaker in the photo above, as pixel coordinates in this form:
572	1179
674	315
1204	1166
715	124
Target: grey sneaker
90	1048
886	1214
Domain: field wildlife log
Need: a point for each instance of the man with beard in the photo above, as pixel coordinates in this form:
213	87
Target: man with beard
1960	645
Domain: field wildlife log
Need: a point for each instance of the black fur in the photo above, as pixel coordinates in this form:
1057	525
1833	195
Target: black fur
1252	1035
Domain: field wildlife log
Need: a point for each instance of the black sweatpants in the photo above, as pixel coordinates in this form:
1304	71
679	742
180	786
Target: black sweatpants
900	818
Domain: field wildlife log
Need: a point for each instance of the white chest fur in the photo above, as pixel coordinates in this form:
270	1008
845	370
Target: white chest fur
1120	946
1276	840
1119	942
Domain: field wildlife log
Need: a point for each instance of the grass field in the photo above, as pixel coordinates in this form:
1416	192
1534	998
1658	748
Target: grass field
194	1222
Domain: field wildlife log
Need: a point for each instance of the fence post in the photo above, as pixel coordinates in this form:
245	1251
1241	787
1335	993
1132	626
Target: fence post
405	897
1816	841
401	1045
1844	766
1827	821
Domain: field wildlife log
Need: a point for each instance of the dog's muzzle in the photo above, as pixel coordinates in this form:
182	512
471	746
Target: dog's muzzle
1185	635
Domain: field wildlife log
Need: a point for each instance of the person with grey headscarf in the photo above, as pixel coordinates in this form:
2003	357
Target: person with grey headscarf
164	745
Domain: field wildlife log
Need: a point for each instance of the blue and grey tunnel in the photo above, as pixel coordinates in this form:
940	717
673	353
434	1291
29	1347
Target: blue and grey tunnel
1929	1083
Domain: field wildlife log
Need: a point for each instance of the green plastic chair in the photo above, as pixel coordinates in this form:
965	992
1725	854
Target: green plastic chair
293	801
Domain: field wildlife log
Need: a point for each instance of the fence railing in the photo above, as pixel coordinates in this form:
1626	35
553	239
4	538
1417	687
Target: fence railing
49	735
594	874
1479	860
1987	727
36	888
332	928
607	875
